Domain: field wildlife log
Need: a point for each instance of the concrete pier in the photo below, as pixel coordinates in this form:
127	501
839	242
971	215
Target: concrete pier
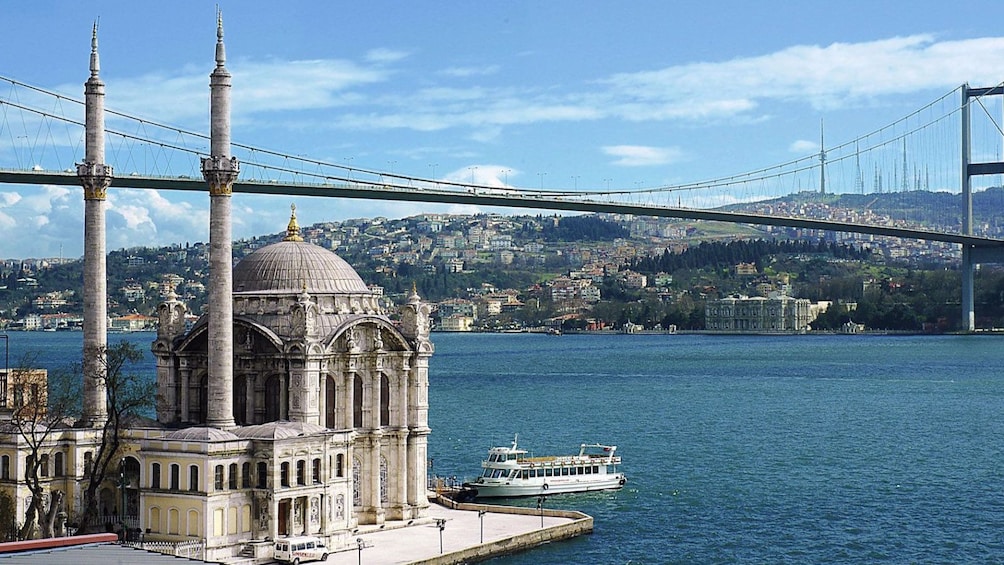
507	529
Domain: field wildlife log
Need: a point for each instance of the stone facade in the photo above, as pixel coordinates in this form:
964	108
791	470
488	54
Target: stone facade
758	314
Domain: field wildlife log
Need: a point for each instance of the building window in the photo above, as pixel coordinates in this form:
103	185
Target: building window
44	465
246	475
218	477
284	475
339	465
193	478
175	476
232	484
317	471
5	467
88	463
155	475
330	403
262	474
384	495
384	400
59	464
357	493
301	472
357	402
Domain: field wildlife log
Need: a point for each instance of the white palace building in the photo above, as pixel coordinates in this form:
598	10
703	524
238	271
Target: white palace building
295	406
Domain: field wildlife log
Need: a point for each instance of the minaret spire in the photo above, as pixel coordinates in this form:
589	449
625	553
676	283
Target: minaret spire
221	50
220	170
95	178
95	64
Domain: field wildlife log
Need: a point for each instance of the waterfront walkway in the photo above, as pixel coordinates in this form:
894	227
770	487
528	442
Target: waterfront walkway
506	529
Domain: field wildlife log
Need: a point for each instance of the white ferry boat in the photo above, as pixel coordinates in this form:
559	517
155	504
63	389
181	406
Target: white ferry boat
509	472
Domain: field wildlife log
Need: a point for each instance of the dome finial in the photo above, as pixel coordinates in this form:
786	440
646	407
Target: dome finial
293	228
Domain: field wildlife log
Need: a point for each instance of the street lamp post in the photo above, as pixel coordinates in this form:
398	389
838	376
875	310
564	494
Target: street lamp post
361	545
481	516
540	506
441	523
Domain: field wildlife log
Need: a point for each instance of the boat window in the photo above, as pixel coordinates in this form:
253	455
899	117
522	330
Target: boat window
491	458
588	470
547	472
523	474
596	469
564	471
498	473
487	473
512	456
513	473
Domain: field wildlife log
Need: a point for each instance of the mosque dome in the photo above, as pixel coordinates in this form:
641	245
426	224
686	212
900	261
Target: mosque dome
293	265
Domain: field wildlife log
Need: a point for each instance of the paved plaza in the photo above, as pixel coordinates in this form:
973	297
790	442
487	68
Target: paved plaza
461	530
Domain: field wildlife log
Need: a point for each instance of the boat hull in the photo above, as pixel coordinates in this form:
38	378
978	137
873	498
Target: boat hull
518	488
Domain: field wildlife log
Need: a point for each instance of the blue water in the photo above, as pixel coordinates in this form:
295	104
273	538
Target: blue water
801	449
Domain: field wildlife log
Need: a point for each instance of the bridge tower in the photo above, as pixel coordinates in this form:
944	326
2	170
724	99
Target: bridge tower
220	170
971	254
95	178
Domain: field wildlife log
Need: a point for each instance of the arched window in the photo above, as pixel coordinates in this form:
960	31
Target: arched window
301	472
5	467
384	494
329	403
262	474
316	471
232	479
154	523
357	401
274	409
59	471
246	475
384	400
339	465
175	476
201	411
284	474
357	493
193	478
44	465
88	462
240	400
155	475
218	477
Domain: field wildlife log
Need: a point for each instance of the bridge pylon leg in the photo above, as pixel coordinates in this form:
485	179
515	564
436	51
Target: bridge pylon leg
968	275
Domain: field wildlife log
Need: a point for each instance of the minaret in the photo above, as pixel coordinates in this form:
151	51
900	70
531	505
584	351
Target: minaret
220	171
95	177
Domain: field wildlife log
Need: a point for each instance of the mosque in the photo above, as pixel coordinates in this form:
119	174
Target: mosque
296	406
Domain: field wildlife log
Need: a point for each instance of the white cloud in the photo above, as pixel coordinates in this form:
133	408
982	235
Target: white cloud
642	156
803	147
463	72
485	175
384	55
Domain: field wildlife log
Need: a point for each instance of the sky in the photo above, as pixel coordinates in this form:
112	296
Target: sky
555	94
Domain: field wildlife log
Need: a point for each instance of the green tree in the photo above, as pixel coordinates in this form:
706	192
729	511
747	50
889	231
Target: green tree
127	395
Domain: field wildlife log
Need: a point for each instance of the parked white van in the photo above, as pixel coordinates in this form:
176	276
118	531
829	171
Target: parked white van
298	550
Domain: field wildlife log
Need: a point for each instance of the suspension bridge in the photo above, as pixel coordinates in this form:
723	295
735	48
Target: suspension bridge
927	151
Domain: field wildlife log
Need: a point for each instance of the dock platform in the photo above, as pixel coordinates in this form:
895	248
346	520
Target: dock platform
506	530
